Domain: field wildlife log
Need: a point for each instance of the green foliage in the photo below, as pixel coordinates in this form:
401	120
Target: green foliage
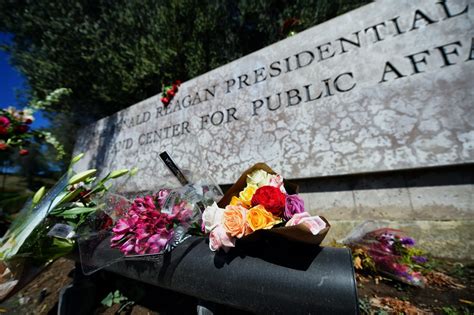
364	306
112	54
38	195
10	202
452	310
459	270
113	298
108	55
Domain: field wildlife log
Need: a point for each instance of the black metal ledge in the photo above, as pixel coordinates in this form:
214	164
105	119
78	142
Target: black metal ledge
267	276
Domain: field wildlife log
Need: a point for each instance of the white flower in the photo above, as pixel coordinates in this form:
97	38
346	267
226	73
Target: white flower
258	178
211	217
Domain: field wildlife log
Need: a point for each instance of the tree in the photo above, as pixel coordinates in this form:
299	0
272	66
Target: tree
112	54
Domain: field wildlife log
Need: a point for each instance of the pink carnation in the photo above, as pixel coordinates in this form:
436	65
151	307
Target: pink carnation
144	229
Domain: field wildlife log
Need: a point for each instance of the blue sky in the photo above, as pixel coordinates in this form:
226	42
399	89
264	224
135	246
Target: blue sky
12	82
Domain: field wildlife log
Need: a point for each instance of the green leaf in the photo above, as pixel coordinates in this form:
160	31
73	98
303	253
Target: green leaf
107	301
134	171
70	196
118	173
63	244
81	176
113	298
76	159
38	195
78	210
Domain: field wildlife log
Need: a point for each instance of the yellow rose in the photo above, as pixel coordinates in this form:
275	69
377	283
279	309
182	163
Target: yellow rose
258	218
235	201
246	195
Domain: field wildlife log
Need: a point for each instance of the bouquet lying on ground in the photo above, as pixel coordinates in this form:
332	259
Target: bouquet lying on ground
45	229
260	200
392	253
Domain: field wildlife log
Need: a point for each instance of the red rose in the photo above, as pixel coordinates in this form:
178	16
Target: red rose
21	129
165	100
170	93
3	131
3	146
24	152
271	198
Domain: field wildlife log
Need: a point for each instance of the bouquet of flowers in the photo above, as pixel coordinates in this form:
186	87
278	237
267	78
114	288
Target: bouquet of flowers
146	223
45	228
169	92
15	131
392	253
154	223
261	201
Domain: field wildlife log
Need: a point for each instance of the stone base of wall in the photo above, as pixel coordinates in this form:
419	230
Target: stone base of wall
451	239
435	205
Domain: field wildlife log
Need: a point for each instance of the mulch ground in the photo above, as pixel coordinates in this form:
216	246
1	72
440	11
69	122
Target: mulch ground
450	291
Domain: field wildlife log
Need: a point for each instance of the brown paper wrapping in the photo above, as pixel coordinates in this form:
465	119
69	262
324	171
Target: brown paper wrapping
300	232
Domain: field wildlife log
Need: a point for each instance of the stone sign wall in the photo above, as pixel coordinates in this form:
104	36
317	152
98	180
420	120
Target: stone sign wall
388	86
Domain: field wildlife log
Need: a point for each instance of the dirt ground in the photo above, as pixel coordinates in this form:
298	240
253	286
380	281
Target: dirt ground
40	296
449	291
452	293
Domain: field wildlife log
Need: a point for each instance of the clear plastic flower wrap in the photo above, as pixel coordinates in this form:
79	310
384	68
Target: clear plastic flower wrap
45	229
21	250
144	225
137	223
391	251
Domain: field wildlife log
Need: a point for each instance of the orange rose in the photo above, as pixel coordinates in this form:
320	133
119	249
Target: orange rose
235	222
259	218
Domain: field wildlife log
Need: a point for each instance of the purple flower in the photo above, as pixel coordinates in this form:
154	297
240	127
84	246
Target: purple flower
408	241
419	259
294	204
400	269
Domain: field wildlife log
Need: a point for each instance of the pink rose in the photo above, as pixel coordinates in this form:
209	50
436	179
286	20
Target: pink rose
314	223
219	238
